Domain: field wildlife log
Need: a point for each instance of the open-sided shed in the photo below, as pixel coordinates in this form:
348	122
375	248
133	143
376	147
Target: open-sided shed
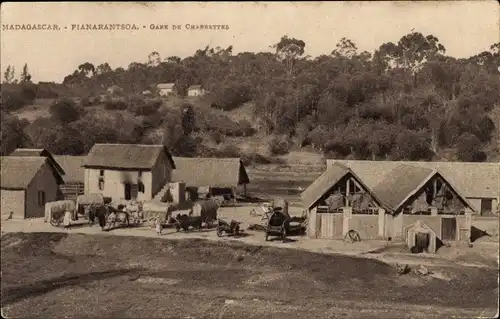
220	176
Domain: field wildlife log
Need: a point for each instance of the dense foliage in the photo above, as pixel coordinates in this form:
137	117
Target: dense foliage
406	100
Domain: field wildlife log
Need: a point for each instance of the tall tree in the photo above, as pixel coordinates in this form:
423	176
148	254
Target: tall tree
9	74
25	75
288	50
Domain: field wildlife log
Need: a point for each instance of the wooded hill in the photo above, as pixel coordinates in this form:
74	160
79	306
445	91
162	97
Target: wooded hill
407	100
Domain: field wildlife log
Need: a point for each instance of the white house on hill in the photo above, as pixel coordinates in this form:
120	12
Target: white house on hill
195	90
165	89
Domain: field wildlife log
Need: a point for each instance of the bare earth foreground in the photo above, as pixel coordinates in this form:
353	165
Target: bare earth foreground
82	275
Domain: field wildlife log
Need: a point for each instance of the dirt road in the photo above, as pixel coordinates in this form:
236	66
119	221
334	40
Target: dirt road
68	275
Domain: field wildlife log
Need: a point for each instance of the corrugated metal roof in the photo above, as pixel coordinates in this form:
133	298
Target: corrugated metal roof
17	172
125	156
215	172
165	85
473	180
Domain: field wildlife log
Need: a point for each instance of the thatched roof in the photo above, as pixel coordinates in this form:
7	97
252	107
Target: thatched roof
326	181
36	152
472	180
214	172
125	156
17	172
400	183
73	166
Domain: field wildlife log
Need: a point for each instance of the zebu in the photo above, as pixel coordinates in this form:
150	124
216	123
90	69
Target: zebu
117	215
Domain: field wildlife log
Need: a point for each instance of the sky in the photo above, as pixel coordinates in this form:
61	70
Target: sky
465	28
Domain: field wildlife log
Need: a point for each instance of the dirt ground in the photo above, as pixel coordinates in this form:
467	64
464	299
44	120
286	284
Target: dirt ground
69	275
53	272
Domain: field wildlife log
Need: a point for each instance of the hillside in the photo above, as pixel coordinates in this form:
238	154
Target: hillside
407	100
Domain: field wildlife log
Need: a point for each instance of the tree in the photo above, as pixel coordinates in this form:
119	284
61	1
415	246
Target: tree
173	59
12	134
65	111
103	68
154	59
25	75
345	48
9	74
288	50
188	120
411	51
467	149
87	69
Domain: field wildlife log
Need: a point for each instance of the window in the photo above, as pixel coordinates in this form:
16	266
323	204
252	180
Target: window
41	198
101	179
487	206
140	187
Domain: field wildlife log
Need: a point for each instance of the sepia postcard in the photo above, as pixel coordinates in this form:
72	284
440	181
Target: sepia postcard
250	159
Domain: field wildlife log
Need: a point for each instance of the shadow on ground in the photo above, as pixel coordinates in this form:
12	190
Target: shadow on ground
13	294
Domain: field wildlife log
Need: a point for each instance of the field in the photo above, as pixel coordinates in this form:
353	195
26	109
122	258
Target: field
48	274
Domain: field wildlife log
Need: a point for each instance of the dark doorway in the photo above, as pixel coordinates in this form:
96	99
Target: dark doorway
128	191
486	207
448	228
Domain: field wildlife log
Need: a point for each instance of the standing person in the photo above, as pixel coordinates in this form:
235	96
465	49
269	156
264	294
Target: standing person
101	216
67	219
158	226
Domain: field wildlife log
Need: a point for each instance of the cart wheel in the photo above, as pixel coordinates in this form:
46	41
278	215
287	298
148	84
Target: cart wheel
220	232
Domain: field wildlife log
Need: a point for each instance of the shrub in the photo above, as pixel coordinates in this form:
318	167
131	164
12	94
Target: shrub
147	109
216	137
115	105
65	111
255	158
85	101
11	101
279	146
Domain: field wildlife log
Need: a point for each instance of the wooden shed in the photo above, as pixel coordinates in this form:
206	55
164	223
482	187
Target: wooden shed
220	176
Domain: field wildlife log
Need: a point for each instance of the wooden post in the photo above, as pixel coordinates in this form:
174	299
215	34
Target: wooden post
234	196
348	184
347	214
434	194
381	222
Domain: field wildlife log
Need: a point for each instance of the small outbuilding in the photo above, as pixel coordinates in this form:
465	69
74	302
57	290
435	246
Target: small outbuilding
74	179
27	184
215	176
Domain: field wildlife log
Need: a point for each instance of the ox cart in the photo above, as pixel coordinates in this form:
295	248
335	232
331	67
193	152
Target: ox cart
206	210
232	228
87	205
279	221
202	212
60	212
